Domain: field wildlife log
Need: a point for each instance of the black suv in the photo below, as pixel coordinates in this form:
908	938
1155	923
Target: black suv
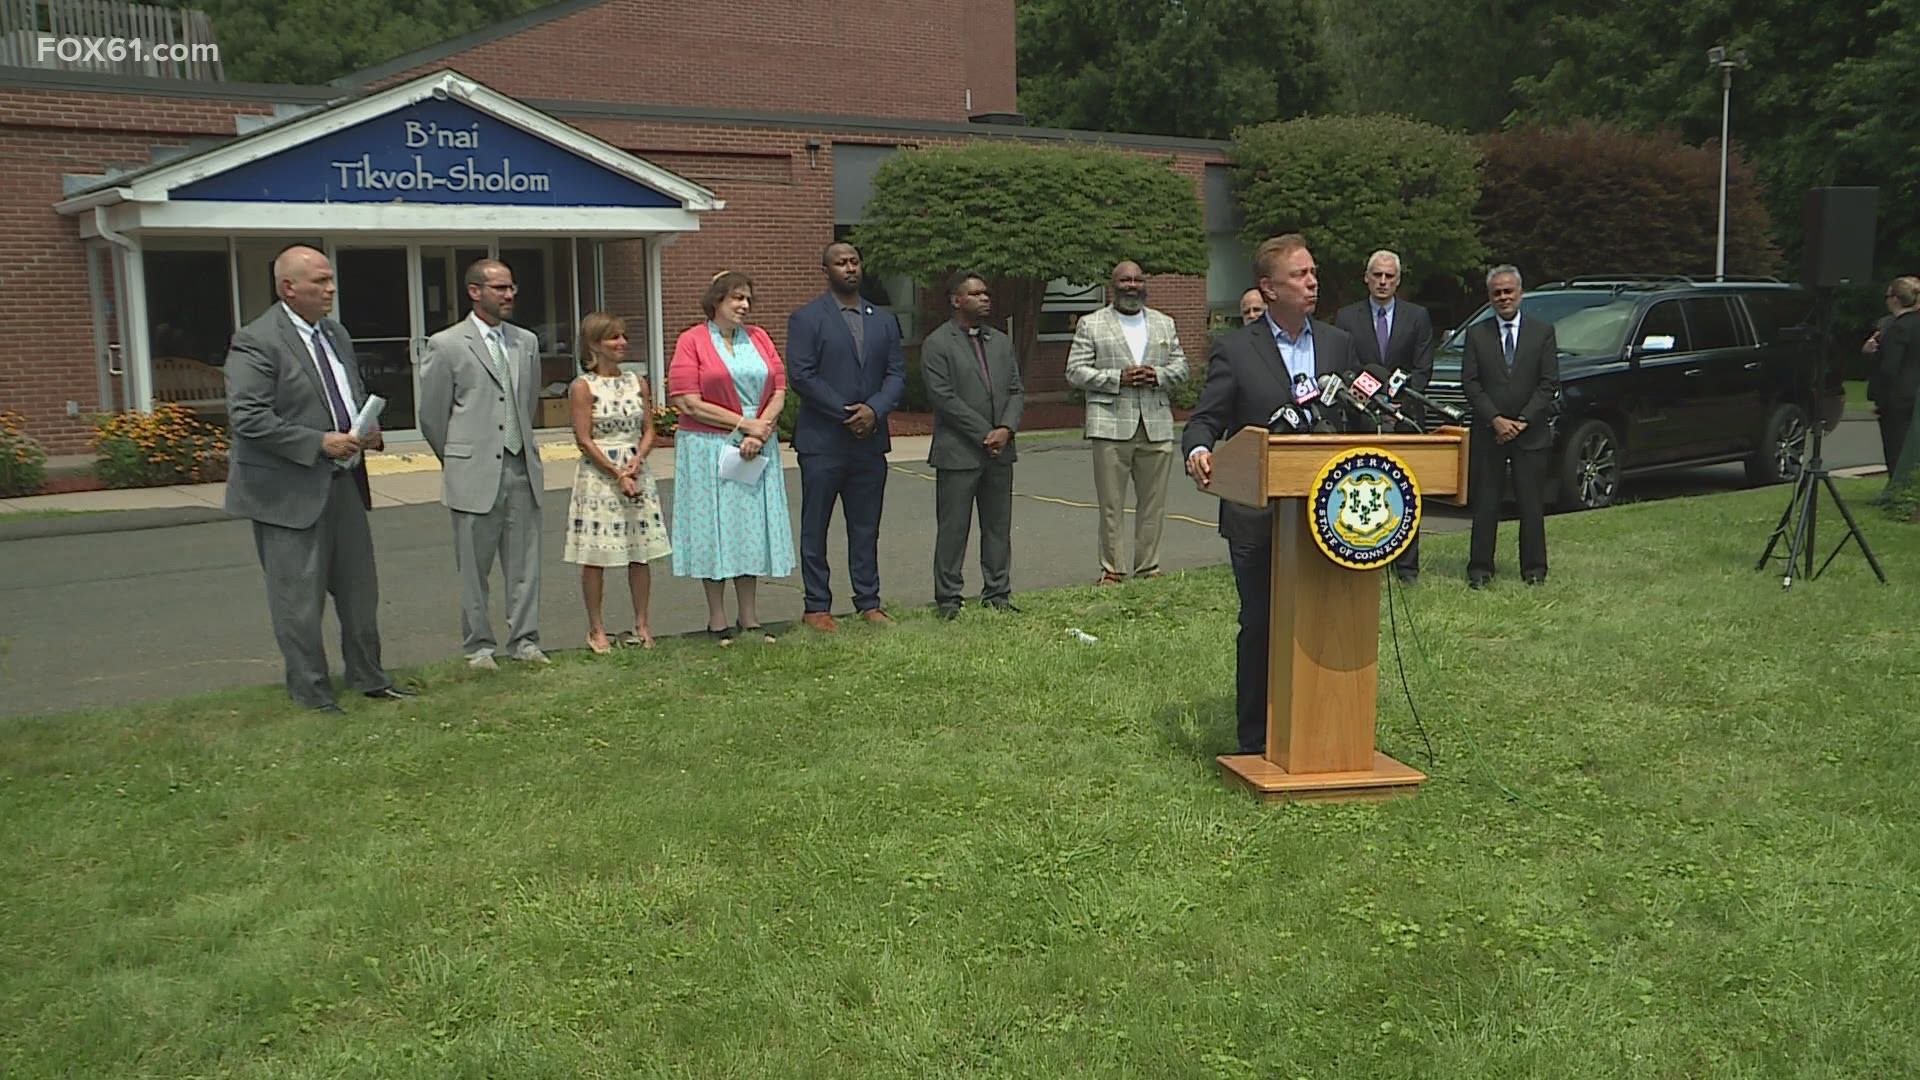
1666	372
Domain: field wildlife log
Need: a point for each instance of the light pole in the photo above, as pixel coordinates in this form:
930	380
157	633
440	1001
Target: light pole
1726	60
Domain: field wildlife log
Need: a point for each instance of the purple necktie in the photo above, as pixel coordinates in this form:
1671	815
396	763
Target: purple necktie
1380	331
342	416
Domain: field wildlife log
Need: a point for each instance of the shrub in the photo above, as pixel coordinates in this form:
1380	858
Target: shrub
1590	199
666	421
23	461
789	416
166	446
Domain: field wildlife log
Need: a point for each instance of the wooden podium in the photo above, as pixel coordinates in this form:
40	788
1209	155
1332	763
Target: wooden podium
1324	638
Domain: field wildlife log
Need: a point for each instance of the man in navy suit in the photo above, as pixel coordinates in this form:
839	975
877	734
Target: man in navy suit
844	360
1250	373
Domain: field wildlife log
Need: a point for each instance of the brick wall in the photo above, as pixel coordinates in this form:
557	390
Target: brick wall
883	58
46	321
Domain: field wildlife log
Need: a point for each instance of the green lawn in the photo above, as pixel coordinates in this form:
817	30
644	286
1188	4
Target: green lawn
1857	396
986	849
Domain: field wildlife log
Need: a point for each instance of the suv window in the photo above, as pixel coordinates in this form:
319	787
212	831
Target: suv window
1711	321
1772	311
1664	330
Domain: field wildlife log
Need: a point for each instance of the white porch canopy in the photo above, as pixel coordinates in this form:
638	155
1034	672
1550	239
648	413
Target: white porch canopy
439	156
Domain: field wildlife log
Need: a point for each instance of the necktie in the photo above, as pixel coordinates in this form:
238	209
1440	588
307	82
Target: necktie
980	353
1506	343
1380	332
336	403
511	416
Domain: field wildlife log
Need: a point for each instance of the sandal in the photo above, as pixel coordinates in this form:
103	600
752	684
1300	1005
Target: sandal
637	637
601	647
724	635
756	628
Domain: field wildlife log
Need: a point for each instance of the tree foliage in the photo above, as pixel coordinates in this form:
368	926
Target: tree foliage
312	43
1353	185
1197	68
1588	199
1021	215
1449	62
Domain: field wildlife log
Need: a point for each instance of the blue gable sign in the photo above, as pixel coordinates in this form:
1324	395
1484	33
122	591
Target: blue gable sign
431	152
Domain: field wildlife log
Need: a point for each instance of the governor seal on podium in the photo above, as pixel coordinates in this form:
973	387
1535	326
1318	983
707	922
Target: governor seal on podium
1365	508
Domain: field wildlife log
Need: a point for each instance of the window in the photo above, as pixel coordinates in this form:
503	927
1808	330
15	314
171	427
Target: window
1229	258
1065	303
1663	330
1711	321
1774	311
189	305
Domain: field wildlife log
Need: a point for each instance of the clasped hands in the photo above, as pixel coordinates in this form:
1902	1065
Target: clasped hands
996	441
757	434
1506	430
860	419
1139	376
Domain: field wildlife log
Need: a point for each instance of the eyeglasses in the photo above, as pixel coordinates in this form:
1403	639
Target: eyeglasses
507	288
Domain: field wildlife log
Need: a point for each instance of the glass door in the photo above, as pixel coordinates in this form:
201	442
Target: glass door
375	302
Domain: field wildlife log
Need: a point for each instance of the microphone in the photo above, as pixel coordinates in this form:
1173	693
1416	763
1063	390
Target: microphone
1367	386
1286	420
1304	391
1397	385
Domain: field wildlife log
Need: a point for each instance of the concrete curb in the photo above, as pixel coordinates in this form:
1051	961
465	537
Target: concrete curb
107	521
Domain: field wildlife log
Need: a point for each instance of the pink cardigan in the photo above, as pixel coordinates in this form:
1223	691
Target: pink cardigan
698	369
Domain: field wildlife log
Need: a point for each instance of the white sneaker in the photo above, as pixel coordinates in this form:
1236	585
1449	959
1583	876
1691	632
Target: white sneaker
483	661
531	654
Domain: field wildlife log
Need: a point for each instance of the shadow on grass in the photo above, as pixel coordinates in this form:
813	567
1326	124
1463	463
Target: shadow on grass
1199	728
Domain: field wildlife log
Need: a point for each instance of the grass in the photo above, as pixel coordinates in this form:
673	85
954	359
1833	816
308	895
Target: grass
984	848
1857	400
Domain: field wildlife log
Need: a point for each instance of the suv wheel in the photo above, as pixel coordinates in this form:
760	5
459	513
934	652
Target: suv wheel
1590	469
1777	458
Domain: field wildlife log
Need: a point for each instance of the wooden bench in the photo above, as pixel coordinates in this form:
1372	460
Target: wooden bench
192	385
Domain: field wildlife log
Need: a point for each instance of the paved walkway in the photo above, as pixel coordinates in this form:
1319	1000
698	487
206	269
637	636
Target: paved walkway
165	597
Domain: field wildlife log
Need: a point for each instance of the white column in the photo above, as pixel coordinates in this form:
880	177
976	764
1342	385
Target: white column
656	321
136	352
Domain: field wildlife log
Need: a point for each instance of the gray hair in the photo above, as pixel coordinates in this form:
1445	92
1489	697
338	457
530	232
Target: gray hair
1383	253
1502	271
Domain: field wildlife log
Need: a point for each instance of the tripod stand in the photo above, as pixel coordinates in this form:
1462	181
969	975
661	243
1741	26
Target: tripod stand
1799	522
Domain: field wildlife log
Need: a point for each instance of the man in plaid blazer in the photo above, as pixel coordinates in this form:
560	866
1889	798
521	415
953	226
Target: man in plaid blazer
1126	357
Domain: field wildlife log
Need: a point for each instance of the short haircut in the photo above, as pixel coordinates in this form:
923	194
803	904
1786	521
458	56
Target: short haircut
1502	271
722	286
596	328
826	253
959	281
477	270
1272	250
1383	253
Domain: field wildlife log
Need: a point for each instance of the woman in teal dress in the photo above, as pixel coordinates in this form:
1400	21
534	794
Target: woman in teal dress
729	385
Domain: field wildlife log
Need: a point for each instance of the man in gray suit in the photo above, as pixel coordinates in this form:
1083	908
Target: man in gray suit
479	387
1126	357
973	386
293	390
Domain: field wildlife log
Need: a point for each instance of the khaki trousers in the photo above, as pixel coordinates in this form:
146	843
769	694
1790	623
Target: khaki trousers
1147	464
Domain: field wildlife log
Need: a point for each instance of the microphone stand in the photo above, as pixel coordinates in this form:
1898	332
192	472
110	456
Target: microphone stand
1799	522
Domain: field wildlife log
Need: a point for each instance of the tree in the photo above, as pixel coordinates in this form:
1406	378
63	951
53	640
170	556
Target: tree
1197	68
1353	185
1021	215
1588	199
1448	62
312	43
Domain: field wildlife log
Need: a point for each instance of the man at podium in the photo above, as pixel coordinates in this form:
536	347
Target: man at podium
1250	374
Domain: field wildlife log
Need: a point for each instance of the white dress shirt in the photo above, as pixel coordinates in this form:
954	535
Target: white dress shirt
305	330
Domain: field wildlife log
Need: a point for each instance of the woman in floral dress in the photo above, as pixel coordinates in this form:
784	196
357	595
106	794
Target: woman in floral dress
614	517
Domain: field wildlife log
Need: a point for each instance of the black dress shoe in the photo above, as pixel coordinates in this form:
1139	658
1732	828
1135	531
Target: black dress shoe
1478	581
1408	577
1003	605
948	614
391	693
1534	579
330	707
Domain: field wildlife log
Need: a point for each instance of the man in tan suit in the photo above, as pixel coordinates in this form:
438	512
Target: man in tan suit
1126	357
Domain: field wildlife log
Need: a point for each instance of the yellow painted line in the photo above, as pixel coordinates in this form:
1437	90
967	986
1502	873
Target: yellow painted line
385	464
1069	502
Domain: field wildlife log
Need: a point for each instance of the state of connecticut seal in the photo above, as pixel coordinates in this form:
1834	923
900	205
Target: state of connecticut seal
1366	508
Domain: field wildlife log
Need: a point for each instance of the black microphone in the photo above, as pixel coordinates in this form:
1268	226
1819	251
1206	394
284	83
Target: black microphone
1286	420
1366	390
1397	385
1303	394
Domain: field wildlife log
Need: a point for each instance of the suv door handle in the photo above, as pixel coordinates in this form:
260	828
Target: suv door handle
1694	373
1751	364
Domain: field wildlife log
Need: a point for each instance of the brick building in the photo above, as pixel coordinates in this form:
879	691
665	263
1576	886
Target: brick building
591	144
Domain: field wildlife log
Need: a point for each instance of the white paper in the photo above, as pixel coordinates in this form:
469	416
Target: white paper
366	423
741	470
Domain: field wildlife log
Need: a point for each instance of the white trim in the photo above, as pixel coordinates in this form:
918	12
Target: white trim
229	218
102	348
154	186
136	349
